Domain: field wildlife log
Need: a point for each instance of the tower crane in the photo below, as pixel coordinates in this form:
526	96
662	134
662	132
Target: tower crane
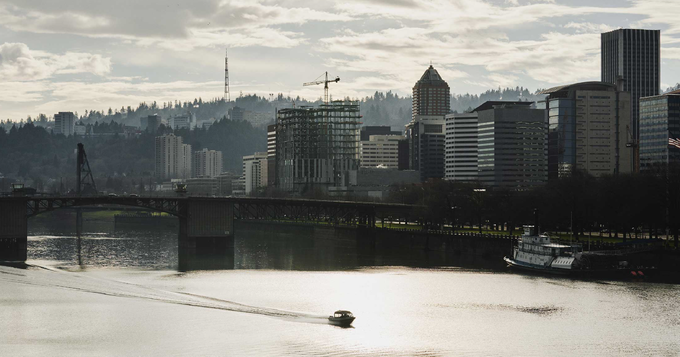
325	85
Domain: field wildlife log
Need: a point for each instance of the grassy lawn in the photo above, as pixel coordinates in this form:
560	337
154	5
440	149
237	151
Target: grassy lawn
415	227
100	215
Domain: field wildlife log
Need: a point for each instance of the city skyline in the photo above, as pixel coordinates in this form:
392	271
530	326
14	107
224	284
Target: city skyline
95	55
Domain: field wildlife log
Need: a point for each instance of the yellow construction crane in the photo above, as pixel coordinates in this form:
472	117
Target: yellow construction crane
325	85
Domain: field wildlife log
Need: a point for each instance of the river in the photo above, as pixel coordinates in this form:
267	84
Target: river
125	297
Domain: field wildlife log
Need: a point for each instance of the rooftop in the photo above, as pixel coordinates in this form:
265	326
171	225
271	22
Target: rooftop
592	85
493	103
431	77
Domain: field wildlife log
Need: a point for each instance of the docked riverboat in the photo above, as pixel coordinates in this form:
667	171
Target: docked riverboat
536	252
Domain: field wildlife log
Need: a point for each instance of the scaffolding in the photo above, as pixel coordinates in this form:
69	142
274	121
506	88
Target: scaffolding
317	146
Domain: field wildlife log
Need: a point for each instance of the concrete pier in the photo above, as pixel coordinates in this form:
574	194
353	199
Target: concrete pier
13	230
206	235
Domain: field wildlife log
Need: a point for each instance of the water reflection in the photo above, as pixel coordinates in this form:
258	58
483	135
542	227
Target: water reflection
158	250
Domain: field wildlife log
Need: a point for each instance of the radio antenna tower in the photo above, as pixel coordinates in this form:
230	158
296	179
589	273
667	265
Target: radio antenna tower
226	76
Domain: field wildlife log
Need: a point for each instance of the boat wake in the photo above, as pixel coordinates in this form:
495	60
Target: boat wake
44	276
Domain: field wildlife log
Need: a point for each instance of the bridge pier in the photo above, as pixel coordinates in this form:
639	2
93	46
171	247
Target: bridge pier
13	230
206	234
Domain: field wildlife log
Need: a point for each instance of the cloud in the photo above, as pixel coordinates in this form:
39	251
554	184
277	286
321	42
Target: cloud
19	63
173	25
670	53
22	92
400	53
589	27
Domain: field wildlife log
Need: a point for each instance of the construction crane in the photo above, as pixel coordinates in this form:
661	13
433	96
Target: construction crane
325	85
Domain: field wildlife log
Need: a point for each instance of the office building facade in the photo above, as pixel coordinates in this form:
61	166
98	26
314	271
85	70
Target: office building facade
588	130
659	121
427	146
634	56
512	145
461	147
202	186
380	151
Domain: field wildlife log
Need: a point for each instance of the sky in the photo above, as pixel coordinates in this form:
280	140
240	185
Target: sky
77	55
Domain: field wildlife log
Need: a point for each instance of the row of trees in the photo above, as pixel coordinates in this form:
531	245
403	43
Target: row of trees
623	205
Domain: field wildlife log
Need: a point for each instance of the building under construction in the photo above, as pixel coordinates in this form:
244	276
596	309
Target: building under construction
317	147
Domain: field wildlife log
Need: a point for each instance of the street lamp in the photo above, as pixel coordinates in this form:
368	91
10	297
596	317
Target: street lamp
478	200
453	219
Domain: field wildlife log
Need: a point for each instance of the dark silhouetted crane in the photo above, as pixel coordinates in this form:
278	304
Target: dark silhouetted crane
325	85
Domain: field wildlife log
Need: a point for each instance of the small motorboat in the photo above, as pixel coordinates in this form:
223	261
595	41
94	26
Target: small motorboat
341	318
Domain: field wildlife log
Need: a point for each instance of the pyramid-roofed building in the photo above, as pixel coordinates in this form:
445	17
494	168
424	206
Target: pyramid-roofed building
431	102
431	94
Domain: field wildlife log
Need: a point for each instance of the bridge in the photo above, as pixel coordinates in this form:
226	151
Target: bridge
206	223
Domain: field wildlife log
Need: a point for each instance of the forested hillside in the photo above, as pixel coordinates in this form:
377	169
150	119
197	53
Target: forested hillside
34	156
379	109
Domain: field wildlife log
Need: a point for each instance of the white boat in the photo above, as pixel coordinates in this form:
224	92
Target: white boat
536	252
341	318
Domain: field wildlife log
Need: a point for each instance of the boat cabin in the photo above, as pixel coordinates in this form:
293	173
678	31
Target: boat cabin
342	313
535	243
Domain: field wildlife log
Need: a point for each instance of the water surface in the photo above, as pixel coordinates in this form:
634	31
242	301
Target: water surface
127	298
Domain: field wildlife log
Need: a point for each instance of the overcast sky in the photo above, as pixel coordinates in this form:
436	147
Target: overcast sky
95	54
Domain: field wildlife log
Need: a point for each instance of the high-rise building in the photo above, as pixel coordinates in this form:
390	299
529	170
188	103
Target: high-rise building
380	151
64	123
461	147
173	158
254	171
635	56
425	132
403	154
588	129
426	146
271	155
207	163
317	147
512	145
659	121
431	95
